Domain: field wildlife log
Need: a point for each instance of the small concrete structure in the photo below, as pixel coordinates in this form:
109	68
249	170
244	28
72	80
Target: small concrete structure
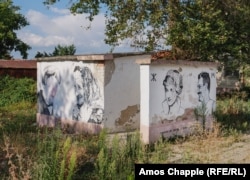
86	93
124	92
176	96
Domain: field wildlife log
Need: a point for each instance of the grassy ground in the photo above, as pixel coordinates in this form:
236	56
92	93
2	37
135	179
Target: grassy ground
29	152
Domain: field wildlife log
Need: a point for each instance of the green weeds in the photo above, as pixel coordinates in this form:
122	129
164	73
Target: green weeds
29	152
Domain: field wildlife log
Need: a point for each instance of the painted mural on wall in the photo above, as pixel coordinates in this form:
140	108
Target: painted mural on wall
51	80
171	104
206	102
70	91
175	91
179	97
88	107
173	85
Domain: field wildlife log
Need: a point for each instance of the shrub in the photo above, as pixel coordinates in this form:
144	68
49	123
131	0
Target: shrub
15	90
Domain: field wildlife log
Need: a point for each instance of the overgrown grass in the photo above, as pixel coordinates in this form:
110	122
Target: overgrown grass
14	90
234	115
29	152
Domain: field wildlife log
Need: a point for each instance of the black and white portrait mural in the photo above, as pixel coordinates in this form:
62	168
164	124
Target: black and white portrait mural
180	94
70	91
88	105
203	91
173	85
50	81
176	91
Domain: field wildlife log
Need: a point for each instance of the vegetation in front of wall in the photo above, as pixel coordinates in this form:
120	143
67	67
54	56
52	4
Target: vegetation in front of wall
15	90
31	152
200	115
55	157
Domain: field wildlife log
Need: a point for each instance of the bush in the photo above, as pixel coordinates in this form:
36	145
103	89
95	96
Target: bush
15	90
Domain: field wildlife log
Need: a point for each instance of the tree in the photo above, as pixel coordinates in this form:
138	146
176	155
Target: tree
196	29
58	51
10	22
212	29
64	50
44	54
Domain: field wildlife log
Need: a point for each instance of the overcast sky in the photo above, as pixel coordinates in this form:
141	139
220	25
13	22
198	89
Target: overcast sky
55	25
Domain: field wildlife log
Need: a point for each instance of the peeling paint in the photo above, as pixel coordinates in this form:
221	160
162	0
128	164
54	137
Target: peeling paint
127	115
188	115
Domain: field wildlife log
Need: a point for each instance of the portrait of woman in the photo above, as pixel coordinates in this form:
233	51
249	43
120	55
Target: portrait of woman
173	85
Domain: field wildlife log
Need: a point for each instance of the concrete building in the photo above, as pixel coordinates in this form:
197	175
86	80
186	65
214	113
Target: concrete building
125	92
87	93
176	96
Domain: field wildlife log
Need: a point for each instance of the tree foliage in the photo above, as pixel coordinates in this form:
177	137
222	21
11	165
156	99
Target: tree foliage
214	29
10	22
199	29
58	51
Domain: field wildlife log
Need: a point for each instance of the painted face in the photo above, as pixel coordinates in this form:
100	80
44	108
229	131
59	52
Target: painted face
79	89
99	116
201	89
50	90
170	92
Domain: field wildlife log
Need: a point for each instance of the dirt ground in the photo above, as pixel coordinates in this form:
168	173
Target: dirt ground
211	149
214	150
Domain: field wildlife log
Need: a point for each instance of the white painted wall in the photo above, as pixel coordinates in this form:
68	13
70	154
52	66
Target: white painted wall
145	101
119	92
156	123
122	94
189	97
65	98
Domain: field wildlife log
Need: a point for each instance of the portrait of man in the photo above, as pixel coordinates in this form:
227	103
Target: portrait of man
51	79
172	89
204	92
88	106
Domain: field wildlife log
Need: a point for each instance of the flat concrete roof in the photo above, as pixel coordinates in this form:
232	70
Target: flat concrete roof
91	57
176	62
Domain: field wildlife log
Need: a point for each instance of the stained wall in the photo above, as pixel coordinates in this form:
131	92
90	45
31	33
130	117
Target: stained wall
70	92
172	100
122	93
125	92
89	92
